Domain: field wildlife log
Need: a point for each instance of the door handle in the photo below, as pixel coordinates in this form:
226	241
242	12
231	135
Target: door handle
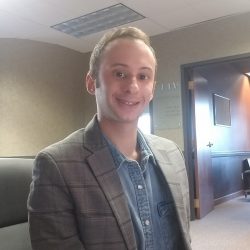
210	144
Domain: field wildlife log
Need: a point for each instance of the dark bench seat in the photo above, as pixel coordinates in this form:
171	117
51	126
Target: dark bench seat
15	179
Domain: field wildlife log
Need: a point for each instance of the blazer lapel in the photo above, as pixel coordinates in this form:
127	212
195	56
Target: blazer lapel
173	169
169	172
103	167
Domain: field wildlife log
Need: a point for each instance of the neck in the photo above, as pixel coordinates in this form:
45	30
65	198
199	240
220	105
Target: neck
123	136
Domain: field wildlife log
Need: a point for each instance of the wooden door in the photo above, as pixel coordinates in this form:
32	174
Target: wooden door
201	122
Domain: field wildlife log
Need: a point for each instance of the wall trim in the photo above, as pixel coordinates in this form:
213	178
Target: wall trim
230	154
228	197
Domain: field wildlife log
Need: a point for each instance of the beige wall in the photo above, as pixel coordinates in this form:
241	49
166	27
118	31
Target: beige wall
42	95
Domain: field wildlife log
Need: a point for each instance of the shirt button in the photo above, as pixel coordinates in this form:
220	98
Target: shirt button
140	187
147	222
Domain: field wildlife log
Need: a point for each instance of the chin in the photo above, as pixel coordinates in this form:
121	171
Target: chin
129	119
124	117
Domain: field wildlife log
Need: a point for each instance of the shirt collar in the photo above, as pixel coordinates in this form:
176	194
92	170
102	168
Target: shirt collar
146	153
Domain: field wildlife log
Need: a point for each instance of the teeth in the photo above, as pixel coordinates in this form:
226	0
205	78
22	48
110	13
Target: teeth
129	103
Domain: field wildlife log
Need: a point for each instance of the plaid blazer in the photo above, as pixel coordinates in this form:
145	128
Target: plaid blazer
76	200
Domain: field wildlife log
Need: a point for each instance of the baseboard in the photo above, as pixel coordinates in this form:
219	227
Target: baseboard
228	197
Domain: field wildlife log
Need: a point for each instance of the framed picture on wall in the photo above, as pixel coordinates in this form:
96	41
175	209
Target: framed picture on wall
221	110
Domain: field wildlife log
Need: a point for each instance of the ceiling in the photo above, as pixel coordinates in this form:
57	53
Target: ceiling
32	19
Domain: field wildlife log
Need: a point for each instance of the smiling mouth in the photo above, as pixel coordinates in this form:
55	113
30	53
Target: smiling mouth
129	103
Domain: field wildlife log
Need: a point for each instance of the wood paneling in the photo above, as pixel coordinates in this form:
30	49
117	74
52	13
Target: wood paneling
226	173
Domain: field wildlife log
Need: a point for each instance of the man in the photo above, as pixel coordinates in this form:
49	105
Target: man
108	186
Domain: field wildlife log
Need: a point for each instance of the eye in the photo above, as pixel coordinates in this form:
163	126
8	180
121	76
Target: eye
121	75
143	77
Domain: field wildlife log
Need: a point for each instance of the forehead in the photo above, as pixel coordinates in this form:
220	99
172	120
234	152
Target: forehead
128	48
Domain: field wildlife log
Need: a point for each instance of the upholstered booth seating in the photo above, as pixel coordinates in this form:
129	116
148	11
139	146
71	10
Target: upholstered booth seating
15	178
246	176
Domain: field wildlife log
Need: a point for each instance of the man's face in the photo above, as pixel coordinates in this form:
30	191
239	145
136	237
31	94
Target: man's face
126	79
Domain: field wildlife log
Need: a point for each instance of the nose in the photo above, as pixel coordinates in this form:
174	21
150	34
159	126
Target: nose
132	85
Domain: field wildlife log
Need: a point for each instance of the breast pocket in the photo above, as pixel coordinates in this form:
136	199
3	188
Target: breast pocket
165	208
170	225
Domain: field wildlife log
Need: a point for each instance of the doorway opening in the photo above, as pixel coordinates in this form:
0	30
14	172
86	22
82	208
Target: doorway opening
214	152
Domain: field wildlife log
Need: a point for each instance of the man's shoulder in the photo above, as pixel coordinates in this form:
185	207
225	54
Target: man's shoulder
78	144
69	147
154	139
157	143
74	138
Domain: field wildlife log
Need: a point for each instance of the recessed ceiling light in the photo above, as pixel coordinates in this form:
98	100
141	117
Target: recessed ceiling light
100	20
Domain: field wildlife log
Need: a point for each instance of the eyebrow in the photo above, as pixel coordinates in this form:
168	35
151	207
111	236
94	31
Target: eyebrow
126	66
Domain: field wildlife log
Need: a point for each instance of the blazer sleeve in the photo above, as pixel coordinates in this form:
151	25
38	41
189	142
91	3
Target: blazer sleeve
52	222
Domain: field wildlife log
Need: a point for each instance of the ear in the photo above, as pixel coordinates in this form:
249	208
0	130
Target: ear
90	84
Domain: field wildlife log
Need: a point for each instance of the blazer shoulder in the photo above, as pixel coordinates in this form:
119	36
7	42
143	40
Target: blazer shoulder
161	142
166	146
69	147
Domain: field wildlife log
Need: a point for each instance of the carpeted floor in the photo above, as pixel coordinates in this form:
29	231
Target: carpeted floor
227	227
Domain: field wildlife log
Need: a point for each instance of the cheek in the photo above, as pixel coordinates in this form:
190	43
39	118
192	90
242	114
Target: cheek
104	94
149	93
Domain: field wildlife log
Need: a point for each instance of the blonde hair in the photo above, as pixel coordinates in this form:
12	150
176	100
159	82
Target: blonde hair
125	32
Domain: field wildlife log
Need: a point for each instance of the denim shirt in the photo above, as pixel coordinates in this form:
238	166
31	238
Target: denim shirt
149	199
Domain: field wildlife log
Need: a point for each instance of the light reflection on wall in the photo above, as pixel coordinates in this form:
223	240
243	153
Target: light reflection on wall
144	123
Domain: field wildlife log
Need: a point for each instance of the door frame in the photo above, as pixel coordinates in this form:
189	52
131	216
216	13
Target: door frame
186	100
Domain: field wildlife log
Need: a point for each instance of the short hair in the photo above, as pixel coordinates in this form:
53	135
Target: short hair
116	33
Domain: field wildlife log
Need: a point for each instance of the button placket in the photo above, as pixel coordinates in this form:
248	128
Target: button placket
138	181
